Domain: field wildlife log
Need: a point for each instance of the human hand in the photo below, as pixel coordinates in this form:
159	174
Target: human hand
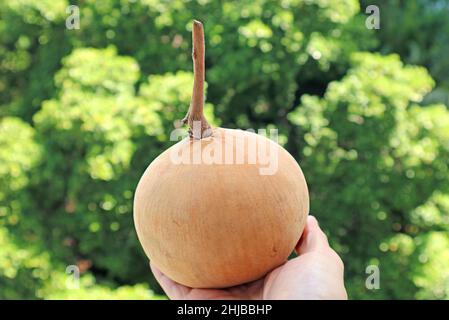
317	273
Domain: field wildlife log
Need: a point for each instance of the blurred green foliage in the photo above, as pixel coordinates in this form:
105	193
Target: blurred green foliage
83	112
419	31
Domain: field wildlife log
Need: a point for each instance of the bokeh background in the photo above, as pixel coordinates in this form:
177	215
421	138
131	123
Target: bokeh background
83	112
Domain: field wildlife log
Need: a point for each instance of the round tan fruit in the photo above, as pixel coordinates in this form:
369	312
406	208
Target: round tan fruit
221	207
214	224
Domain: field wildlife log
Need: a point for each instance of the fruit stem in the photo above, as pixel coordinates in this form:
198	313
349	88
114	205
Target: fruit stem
199	127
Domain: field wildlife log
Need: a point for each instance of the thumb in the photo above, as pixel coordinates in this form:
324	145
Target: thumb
313	238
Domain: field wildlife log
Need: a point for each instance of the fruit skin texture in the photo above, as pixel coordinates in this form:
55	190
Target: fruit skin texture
220	225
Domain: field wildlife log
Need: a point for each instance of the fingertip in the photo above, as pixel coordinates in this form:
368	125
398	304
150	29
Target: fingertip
312	221
313	237
156	272
152	266
171	288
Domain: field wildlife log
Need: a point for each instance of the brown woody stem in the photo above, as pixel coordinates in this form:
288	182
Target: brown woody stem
199	127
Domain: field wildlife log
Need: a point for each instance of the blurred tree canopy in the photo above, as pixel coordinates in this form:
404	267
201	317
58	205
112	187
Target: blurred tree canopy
83	112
